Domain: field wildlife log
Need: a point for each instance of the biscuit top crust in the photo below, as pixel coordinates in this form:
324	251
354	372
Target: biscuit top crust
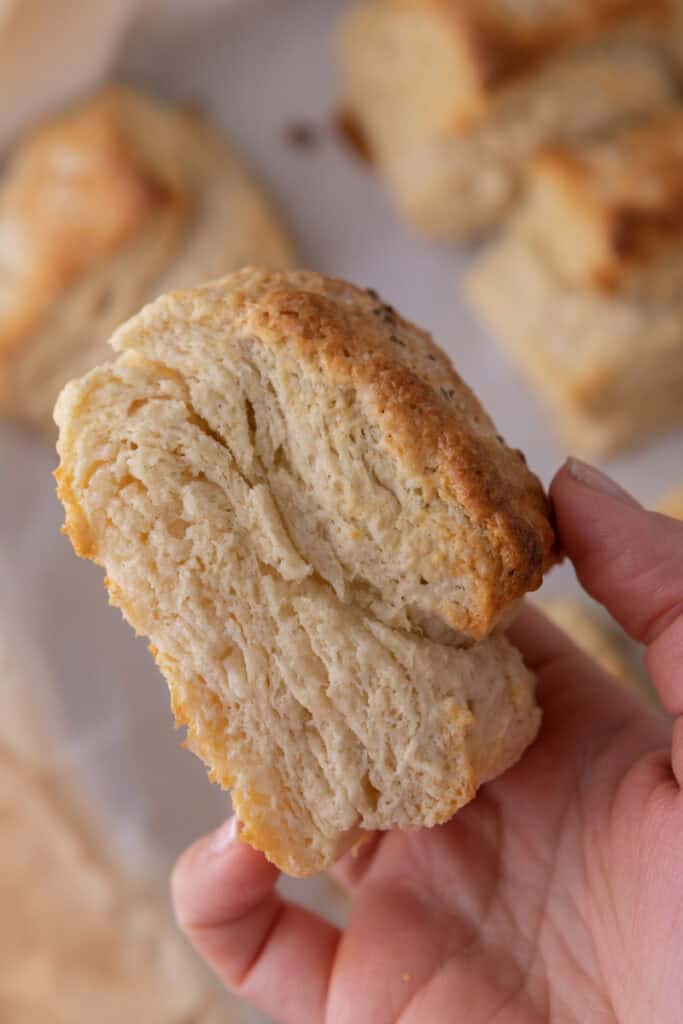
500	42
610	210
76	190
485	512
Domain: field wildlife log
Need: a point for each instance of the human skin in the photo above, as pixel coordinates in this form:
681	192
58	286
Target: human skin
556	895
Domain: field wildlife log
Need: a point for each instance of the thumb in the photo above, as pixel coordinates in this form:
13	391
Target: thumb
631	560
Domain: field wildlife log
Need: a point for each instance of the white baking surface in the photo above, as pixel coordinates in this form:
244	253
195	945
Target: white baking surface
255	70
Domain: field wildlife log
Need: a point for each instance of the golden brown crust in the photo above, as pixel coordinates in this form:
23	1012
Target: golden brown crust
430	420
75	525
627	192
500	43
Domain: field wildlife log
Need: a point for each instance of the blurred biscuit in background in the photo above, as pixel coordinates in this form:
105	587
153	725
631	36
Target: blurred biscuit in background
77	933
29	722
592	632
451	98
672	503
101	209
74	937
596	255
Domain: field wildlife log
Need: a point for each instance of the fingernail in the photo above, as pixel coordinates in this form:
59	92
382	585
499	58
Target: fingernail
226	835
593	478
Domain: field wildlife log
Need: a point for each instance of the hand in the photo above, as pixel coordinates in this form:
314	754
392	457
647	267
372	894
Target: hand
557	895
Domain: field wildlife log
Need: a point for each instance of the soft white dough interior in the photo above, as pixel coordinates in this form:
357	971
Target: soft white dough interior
383	537
320	715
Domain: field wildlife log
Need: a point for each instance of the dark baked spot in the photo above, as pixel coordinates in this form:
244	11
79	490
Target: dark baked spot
499	56
632	230
529	551
156	192
351	132
251	421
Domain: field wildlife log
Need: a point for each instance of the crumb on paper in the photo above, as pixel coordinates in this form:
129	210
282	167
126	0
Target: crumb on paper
302	135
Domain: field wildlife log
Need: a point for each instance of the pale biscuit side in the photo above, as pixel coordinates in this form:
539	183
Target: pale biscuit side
609	368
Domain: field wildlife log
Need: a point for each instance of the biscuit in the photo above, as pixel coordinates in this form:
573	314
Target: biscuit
30	727
78	930
672	504
312	518
453	98
101	209
596	254
607	368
